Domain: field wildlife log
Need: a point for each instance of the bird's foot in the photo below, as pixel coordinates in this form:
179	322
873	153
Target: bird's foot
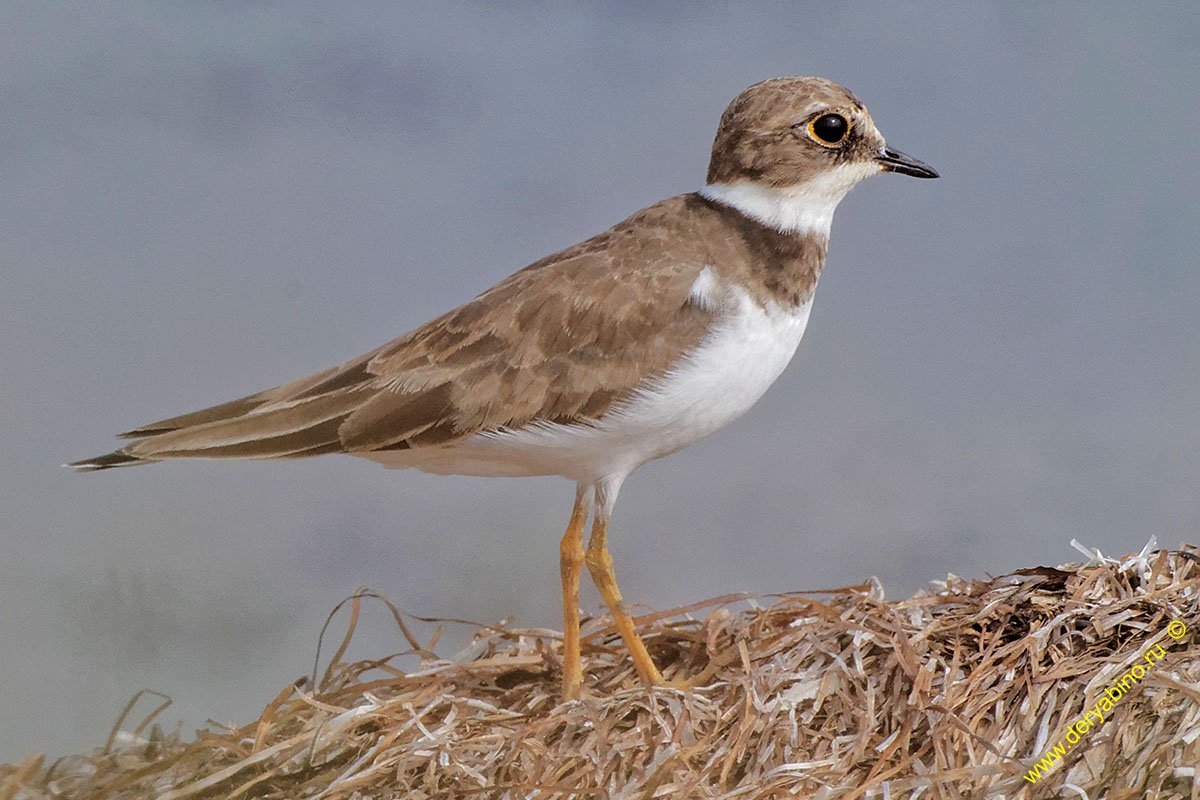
702	678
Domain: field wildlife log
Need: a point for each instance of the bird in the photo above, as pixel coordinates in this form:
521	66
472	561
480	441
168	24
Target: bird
586	364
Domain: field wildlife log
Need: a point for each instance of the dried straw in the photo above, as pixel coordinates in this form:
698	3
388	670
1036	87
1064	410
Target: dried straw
957	692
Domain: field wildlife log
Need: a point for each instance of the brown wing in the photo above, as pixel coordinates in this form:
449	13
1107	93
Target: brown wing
561	340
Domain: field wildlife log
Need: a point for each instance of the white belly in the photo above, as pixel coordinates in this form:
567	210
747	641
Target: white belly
714	384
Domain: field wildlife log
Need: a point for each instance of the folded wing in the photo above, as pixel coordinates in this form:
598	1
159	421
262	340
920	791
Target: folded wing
562	340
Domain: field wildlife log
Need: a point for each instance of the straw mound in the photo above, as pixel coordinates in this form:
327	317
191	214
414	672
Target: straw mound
957	692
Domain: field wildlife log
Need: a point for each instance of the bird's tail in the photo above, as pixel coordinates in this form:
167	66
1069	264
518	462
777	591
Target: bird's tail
290	421
116	458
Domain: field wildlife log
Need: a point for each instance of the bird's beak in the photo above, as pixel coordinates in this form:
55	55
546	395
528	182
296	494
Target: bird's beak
895	161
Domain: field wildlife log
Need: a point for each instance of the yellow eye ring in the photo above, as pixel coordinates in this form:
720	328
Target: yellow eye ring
829	130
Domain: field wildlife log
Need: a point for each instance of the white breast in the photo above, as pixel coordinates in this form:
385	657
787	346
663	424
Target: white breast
744	352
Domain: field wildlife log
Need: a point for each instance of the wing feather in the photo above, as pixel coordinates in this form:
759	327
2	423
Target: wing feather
561	340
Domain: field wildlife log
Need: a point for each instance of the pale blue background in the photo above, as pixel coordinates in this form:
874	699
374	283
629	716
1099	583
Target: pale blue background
202	200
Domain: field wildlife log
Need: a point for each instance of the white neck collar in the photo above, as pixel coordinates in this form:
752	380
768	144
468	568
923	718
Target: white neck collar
806	208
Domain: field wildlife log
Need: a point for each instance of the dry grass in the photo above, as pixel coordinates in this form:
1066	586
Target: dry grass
956	692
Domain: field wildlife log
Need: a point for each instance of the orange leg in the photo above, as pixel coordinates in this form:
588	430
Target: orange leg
570	551
600	565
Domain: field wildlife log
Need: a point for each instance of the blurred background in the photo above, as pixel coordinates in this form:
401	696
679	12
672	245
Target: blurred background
203	200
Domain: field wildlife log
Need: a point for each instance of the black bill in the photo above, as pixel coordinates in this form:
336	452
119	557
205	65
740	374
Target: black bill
895	161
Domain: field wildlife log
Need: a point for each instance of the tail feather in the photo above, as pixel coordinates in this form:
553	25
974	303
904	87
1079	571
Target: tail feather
296	420
271	430
117	458
321	435
234	408
289	421
250	403
268	435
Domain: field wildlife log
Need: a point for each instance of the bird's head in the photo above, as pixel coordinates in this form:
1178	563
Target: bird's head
793	147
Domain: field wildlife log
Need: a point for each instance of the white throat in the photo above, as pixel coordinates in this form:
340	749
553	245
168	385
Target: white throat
806	208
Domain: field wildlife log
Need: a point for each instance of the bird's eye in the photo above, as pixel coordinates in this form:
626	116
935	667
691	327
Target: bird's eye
829	129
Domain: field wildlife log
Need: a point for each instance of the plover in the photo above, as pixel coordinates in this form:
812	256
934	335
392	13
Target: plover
621	349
